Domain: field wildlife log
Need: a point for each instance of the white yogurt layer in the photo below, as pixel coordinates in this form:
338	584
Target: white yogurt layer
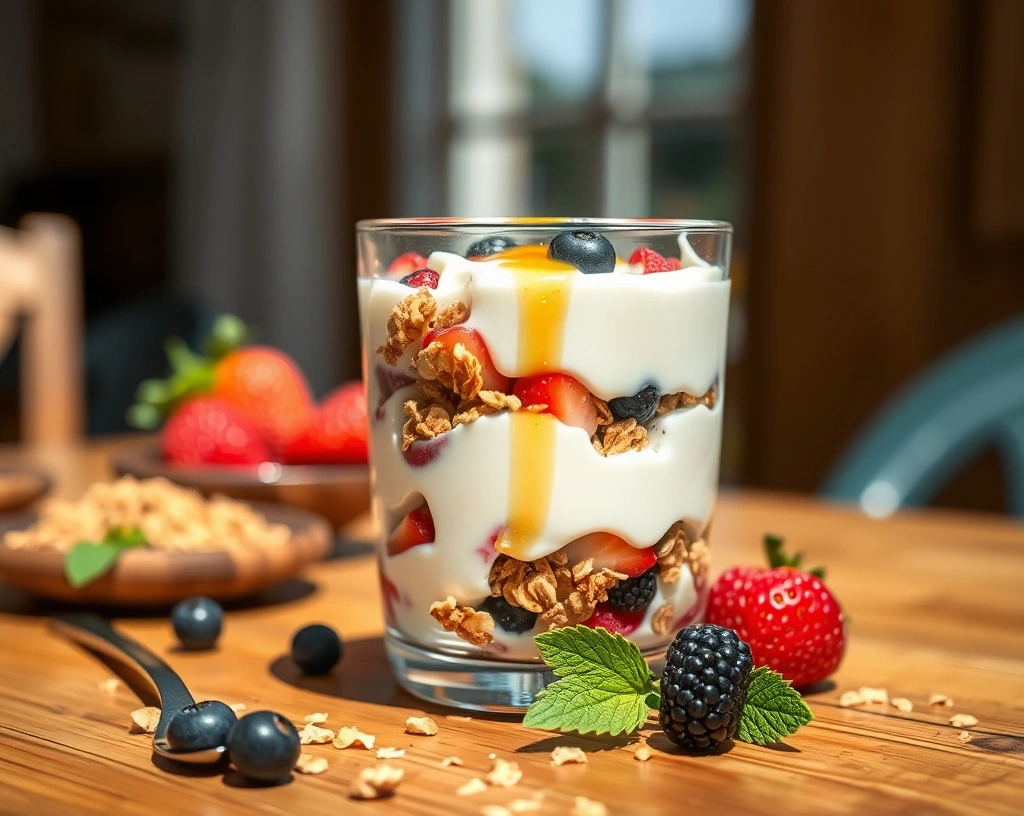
621	332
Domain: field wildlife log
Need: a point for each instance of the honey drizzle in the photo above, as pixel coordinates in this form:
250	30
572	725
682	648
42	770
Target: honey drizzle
544	287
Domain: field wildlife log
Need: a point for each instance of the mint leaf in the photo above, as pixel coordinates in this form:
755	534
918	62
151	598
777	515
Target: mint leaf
87	560
606	686
605	659
773	709
573	704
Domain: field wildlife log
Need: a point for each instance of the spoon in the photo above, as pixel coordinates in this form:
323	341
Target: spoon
96	634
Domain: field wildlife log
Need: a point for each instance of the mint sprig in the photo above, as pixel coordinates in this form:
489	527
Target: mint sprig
606	686
774	709
89	560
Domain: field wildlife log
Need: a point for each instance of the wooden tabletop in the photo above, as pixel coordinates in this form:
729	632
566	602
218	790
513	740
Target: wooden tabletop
936	605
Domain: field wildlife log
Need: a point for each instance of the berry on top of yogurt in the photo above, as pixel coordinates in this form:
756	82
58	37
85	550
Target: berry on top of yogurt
652	261
491	245
590	252
407	263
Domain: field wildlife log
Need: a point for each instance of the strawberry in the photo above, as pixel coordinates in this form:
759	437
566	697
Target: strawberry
565	397
406	264
610	551
422	277
267	386
210	431
414	529
388	382
493	379
789	618
616	621
652	261
337	433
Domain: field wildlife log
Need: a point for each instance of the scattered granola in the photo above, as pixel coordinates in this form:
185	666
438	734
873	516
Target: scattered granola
642	753
527	805
503	774
406	323
902	703
963	720
474	785
421	725
314	719
450	760
144	720
376	782
238	707
351	735
309	764
662	619
964	737
588	807
458	718
940	700
390	753
110	685
470	625
315	735
874	695
566	755
851	698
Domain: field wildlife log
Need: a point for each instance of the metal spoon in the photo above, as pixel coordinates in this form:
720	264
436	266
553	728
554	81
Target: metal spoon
96	634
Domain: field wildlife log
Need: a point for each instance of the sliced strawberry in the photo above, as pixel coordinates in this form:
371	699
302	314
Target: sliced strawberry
565	397
616	621
494	380
422	452
416	528
613	552
422	277
652	261
673	264
407	263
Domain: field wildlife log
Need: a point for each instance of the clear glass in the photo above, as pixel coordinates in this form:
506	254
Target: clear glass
545	437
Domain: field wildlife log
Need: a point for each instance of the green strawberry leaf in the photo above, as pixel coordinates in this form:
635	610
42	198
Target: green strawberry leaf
88	560
777	557
606	686
773	710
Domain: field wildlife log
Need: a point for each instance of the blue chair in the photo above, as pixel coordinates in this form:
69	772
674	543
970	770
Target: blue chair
970	399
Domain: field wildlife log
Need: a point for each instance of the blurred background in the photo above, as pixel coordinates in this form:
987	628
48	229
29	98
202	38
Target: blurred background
215	155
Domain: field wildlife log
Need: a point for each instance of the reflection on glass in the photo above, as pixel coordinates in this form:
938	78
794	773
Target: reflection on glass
562	172
694	172
558	45
693	49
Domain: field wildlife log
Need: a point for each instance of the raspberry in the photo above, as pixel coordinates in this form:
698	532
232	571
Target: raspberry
634	594
511	618
704	686
422	277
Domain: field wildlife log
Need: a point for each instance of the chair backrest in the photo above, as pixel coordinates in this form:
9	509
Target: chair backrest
970	399
41	292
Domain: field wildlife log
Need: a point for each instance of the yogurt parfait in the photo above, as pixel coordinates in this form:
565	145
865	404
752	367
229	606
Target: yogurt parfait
545	400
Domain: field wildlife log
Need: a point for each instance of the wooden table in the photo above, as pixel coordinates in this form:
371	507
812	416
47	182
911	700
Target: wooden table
936	602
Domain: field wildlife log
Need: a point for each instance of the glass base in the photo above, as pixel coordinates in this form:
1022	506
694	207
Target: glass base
477	685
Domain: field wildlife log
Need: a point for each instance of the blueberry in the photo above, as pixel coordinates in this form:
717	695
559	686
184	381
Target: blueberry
511	618
490	246
316	648
197	622
641	406
264	746
589	252
200	726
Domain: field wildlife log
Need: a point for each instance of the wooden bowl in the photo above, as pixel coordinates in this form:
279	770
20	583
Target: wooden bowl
339	493
146	577
19	487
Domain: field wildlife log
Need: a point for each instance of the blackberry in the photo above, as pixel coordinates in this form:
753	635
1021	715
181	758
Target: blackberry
635	594
641	406
511	618
704	686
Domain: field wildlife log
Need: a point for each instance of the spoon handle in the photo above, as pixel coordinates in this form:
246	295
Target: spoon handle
95	633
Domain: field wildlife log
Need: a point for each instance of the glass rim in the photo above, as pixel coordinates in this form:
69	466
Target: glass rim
384	225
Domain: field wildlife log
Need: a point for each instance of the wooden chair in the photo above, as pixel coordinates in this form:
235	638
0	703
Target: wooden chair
41	293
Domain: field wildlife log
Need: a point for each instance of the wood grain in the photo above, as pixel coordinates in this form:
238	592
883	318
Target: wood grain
935	602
